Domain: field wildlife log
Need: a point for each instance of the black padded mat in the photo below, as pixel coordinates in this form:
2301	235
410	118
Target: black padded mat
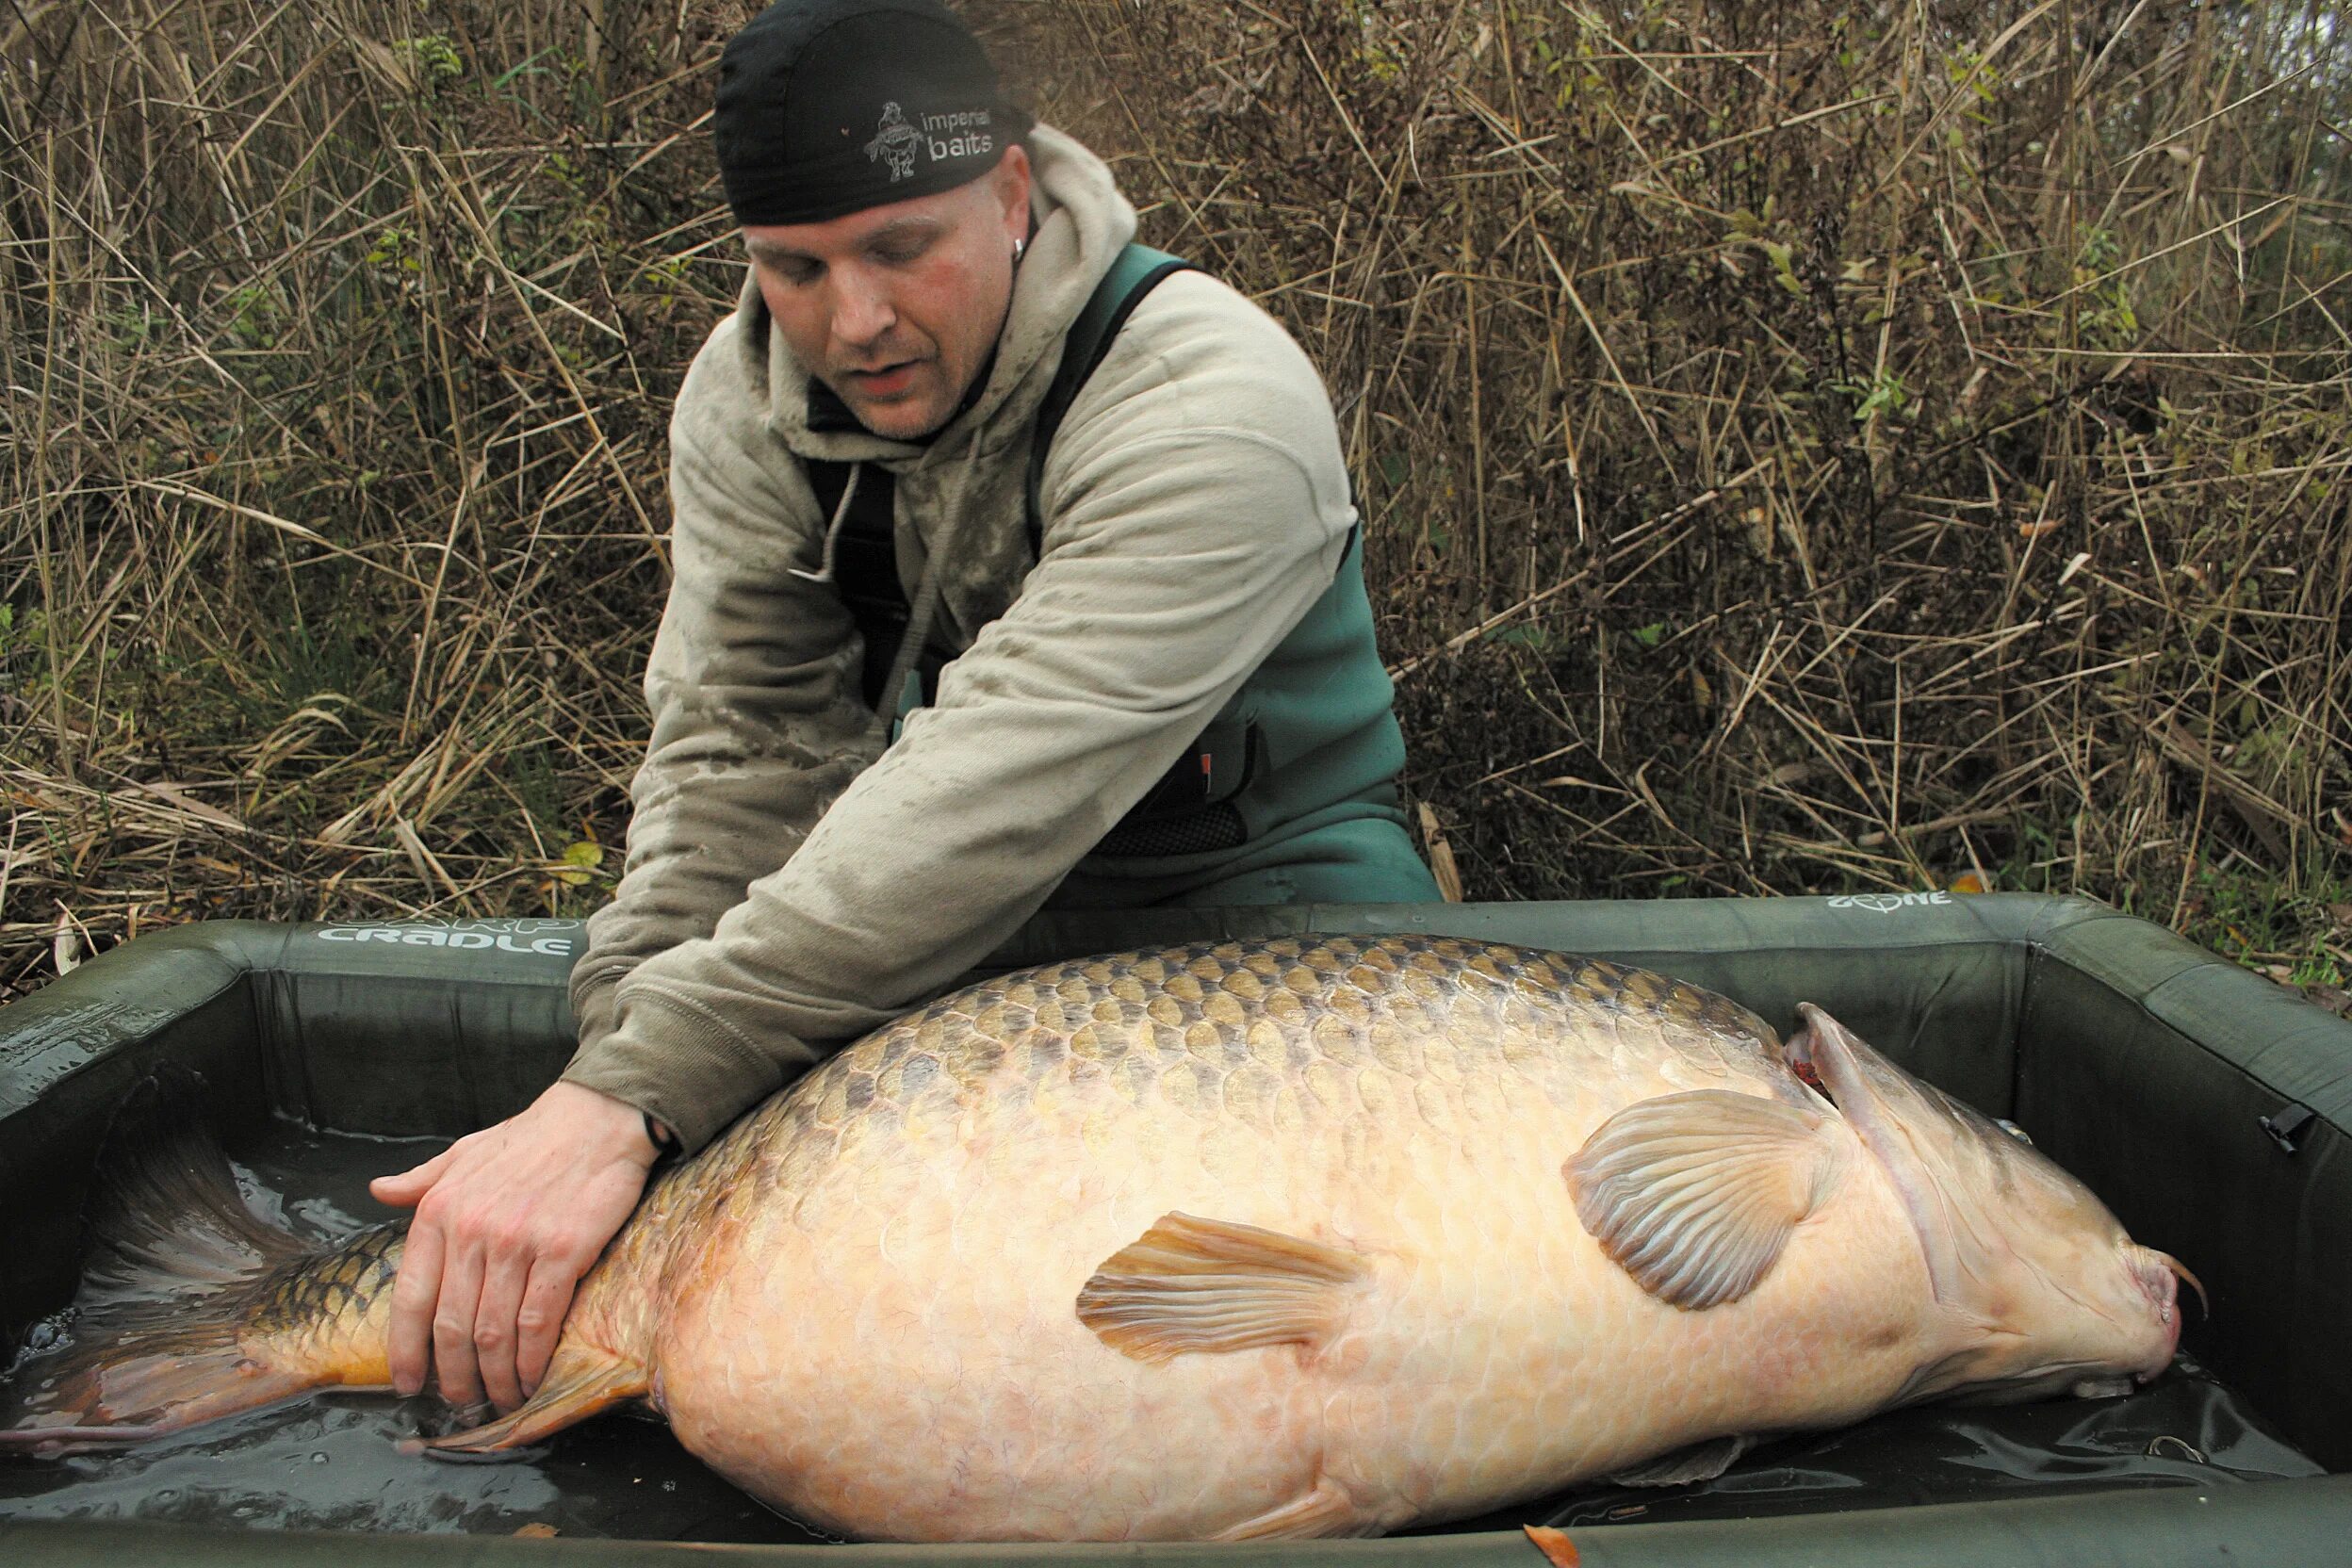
2183	1430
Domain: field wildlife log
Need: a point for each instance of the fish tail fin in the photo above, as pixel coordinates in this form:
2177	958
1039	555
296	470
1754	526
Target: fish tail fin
580	1380
191	1307
163	1382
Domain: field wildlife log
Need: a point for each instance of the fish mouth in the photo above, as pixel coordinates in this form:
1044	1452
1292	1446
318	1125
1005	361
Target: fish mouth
2160	1276
2179	1272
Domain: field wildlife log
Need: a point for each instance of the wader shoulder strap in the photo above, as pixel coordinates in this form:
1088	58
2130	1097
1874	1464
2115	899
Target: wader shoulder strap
1137	272
865	556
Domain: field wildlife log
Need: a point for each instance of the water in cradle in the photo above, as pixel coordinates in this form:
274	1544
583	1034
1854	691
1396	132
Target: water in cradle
333	1461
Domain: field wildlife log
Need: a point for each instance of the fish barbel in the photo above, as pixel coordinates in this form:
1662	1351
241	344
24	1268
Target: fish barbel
1327	1236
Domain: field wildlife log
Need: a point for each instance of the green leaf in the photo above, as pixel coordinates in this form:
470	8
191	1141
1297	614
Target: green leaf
580	859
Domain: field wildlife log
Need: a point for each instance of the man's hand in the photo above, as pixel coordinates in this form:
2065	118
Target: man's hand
507	1222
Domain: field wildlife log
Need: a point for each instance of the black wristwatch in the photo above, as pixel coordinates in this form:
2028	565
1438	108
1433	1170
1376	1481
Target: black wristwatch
665	1145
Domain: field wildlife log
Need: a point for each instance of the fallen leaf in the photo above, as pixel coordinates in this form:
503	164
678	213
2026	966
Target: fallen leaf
2334	998
1970	882
1557	1549
579	860
538	1529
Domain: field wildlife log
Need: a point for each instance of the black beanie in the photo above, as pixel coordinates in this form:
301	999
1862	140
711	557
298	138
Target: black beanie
829	107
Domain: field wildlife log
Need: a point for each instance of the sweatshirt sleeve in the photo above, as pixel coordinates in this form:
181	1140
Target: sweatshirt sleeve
756	723
1197	506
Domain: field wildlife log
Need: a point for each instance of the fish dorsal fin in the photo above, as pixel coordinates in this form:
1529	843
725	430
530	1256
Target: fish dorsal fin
1695	1194
1189	1283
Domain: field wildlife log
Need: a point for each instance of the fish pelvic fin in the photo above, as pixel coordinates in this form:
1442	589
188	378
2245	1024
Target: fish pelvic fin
191	1307
1189	1283
1700	1461
1323	1513
1695	1194
580	1380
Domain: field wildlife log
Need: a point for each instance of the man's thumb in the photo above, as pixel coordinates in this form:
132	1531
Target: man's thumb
403	1190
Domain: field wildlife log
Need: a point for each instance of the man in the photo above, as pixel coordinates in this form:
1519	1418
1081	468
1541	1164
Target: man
1139	673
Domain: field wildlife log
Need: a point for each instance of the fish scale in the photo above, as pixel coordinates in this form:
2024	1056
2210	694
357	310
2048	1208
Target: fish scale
1321	1236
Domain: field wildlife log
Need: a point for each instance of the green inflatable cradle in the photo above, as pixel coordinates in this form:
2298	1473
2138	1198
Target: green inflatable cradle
2208	1108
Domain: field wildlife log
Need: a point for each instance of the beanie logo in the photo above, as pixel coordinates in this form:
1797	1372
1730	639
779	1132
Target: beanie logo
896	142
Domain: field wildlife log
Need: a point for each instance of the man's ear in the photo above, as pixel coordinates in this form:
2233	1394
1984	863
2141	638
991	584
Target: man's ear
1009	180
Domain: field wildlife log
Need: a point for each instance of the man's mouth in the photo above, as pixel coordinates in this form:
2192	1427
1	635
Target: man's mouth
882	382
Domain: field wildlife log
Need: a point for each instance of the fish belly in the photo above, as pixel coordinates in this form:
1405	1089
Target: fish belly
874	1326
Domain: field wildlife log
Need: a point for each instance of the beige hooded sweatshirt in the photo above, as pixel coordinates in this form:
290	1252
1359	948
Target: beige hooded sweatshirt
785	890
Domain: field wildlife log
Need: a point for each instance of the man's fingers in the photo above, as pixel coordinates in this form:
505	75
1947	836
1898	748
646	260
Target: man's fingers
414	1292
454	1358
503	1279
402	1191
507	1221
546	1299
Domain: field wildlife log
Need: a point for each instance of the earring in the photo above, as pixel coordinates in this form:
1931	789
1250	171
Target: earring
1019	247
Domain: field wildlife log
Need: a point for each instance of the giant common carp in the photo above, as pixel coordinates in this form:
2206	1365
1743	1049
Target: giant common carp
1311	1237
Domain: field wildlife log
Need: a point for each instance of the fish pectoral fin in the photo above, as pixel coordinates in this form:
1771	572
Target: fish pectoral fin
1322	1513
1695	1194
1700	1461
1189	1283
580	1381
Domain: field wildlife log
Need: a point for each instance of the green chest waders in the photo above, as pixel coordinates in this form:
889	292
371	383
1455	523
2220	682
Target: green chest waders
1289	795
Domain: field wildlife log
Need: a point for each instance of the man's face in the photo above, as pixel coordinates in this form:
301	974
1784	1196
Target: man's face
897	307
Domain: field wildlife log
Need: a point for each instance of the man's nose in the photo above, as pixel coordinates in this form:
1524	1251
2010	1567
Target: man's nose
861	308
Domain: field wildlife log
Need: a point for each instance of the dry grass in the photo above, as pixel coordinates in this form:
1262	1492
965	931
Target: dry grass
1803	447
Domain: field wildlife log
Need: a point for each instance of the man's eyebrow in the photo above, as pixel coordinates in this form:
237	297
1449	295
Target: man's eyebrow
897	227
776	254
771	252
